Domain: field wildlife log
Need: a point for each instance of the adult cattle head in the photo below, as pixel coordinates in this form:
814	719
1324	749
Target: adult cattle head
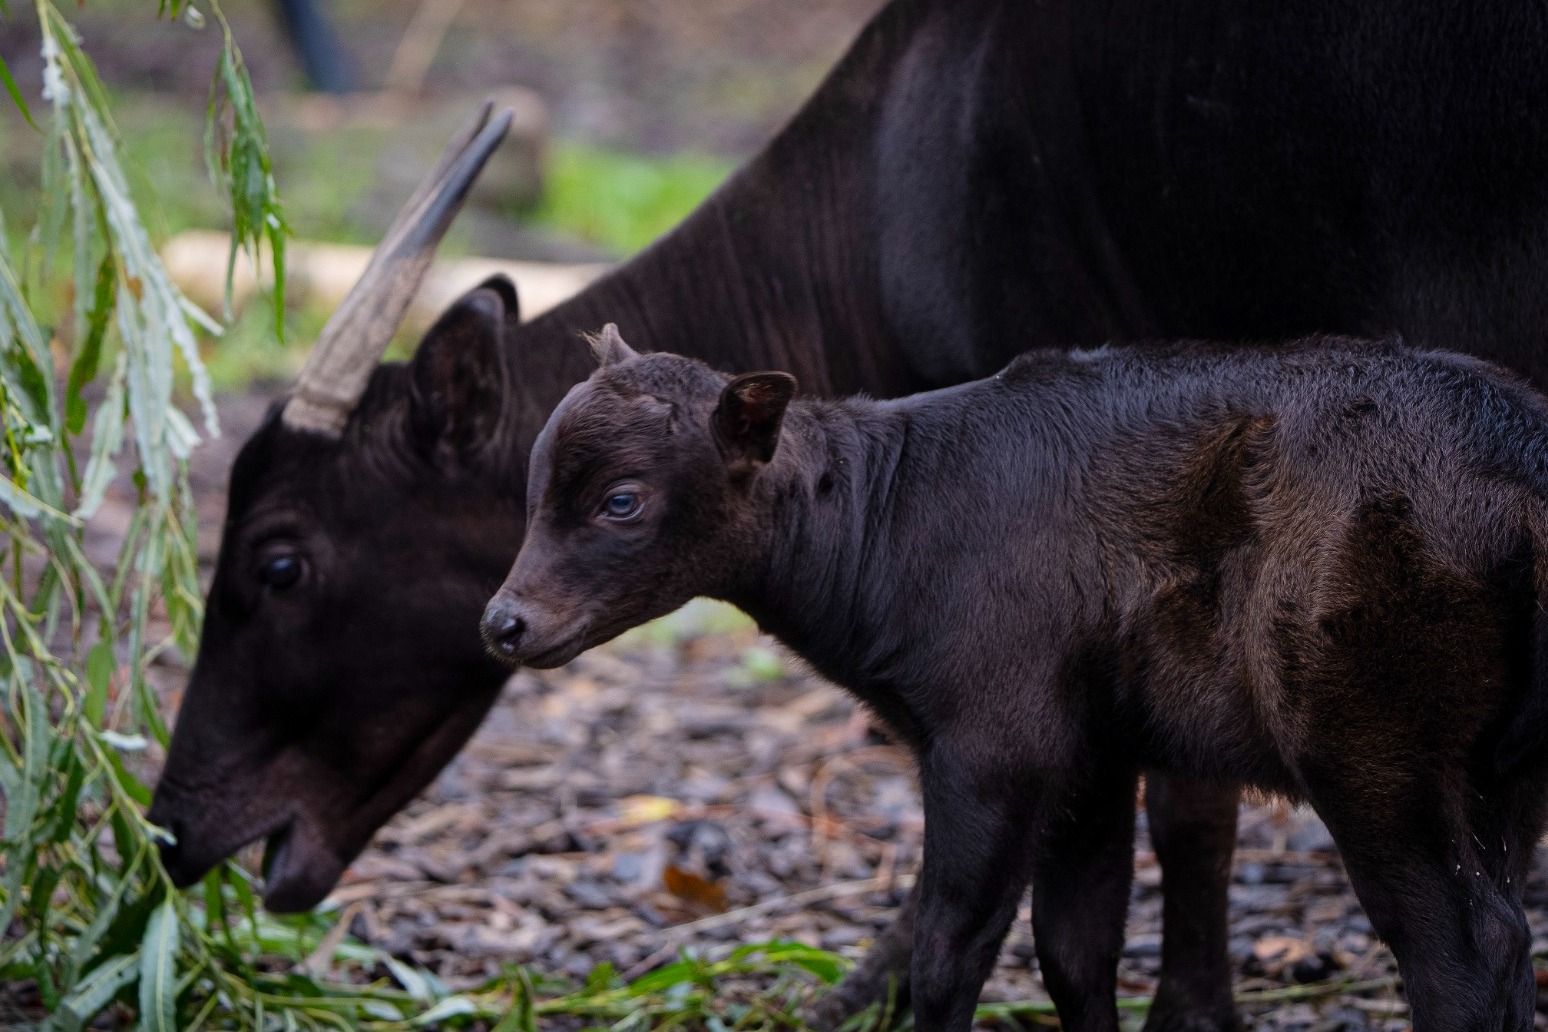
365	519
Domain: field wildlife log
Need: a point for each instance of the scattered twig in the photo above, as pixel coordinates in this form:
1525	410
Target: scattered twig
1316	990
320	960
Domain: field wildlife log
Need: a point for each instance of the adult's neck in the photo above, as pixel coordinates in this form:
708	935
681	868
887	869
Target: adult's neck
777	270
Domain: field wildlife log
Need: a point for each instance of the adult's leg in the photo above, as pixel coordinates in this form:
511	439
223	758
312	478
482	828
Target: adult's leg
1193	829
1080	897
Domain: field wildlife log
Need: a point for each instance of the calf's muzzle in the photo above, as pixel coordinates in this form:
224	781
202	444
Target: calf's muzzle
522	630
503	626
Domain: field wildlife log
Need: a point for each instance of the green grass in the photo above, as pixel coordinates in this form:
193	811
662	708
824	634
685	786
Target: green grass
623	201
300	968
615	200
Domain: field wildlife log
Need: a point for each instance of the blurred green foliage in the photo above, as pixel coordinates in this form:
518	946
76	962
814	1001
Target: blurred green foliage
611	200
623	201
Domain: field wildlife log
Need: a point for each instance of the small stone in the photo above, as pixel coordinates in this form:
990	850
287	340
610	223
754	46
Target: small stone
1145	944
589	895
627	867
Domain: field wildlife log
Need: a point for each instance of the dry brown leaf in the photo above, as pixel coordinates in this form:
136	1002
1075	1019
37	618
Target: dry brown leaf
1281	948
692	889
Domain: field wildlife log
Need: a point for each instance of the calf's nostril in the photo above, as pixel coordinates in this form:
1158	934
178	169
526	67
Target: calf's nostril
504	629
509	628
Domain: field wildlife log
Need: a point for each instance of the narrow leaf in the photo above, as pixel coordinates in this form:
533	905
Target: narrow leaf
84	369
97	989
100	665
415	982
64	819
108	911
158	970
16	94
451	1007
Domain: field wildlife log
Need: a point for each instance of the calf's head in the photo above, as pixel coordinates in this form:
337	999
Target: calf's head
367	521
641	493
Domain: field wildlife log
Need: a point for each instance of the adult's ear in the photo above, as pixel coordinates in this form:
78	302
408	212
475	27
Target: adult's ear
458	375
747	420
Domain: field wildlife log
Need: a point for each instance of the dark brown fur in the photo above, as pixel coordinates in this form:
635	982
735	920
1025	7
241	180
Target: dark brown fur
1314	570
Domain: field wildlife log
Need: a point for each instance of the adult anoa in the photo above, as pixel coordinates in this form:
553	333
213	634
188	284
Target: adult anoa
1083	172
1318	570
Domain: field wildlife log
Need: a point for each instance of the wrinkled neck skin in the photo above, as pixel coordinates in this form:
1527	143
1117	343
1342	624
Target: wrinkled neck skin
819	556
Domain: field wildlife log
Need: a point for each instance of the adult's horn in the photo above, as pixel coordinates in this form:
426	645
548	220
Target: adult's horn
353	342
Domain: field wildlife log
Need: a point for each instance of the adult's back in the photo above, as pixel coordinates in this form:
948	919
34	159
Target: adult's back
1218	169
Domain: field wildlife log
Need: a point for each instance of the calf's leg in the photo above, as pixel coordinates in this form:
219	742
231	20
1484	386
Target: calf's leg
1442	905
977	860
1080	896
1193	829
881	975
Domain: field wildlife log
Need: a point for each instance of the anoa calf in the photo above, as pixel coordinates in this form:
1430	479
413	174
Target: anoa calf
1316	570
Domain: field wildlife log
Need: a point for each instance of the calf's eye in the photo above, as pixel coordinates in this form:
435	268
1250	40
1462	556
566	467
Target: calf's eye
281	571
621	506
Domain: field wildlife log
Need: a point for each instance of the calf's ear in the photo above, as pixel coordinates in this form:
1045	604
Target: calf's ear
458	375
608	347
747	420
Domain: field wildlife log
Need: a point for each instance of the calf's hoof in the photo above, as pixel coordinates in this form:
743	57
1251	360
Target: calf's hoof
1183	1012
880	981
828	1012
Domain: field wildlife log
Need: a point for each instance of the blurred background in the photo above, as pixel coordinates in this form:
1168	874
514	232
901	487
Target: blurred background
629	112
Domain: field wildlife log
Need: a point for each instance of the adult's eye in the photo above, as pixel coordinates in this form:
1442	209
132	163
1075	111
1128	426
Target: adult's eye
620	506
281	570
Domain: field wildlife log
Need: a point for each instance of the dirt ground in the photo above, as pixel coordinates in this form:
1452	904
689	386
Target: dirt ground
690	786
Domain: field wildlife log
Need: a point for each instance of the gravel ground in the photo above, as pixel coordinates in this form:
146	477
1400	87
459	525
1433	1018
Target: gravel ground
690	785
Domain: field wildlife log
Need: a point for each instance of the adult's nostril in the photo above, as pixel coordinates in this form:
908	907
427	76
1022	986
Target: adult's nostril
172	851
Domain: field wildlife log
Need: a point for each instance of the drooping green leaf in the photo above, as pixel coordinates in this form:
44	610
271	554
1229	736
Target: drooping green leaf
158	969
108	917
243	166
100	664
96	991
16	94
126	781
84	369
64	810
686	971
40	894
